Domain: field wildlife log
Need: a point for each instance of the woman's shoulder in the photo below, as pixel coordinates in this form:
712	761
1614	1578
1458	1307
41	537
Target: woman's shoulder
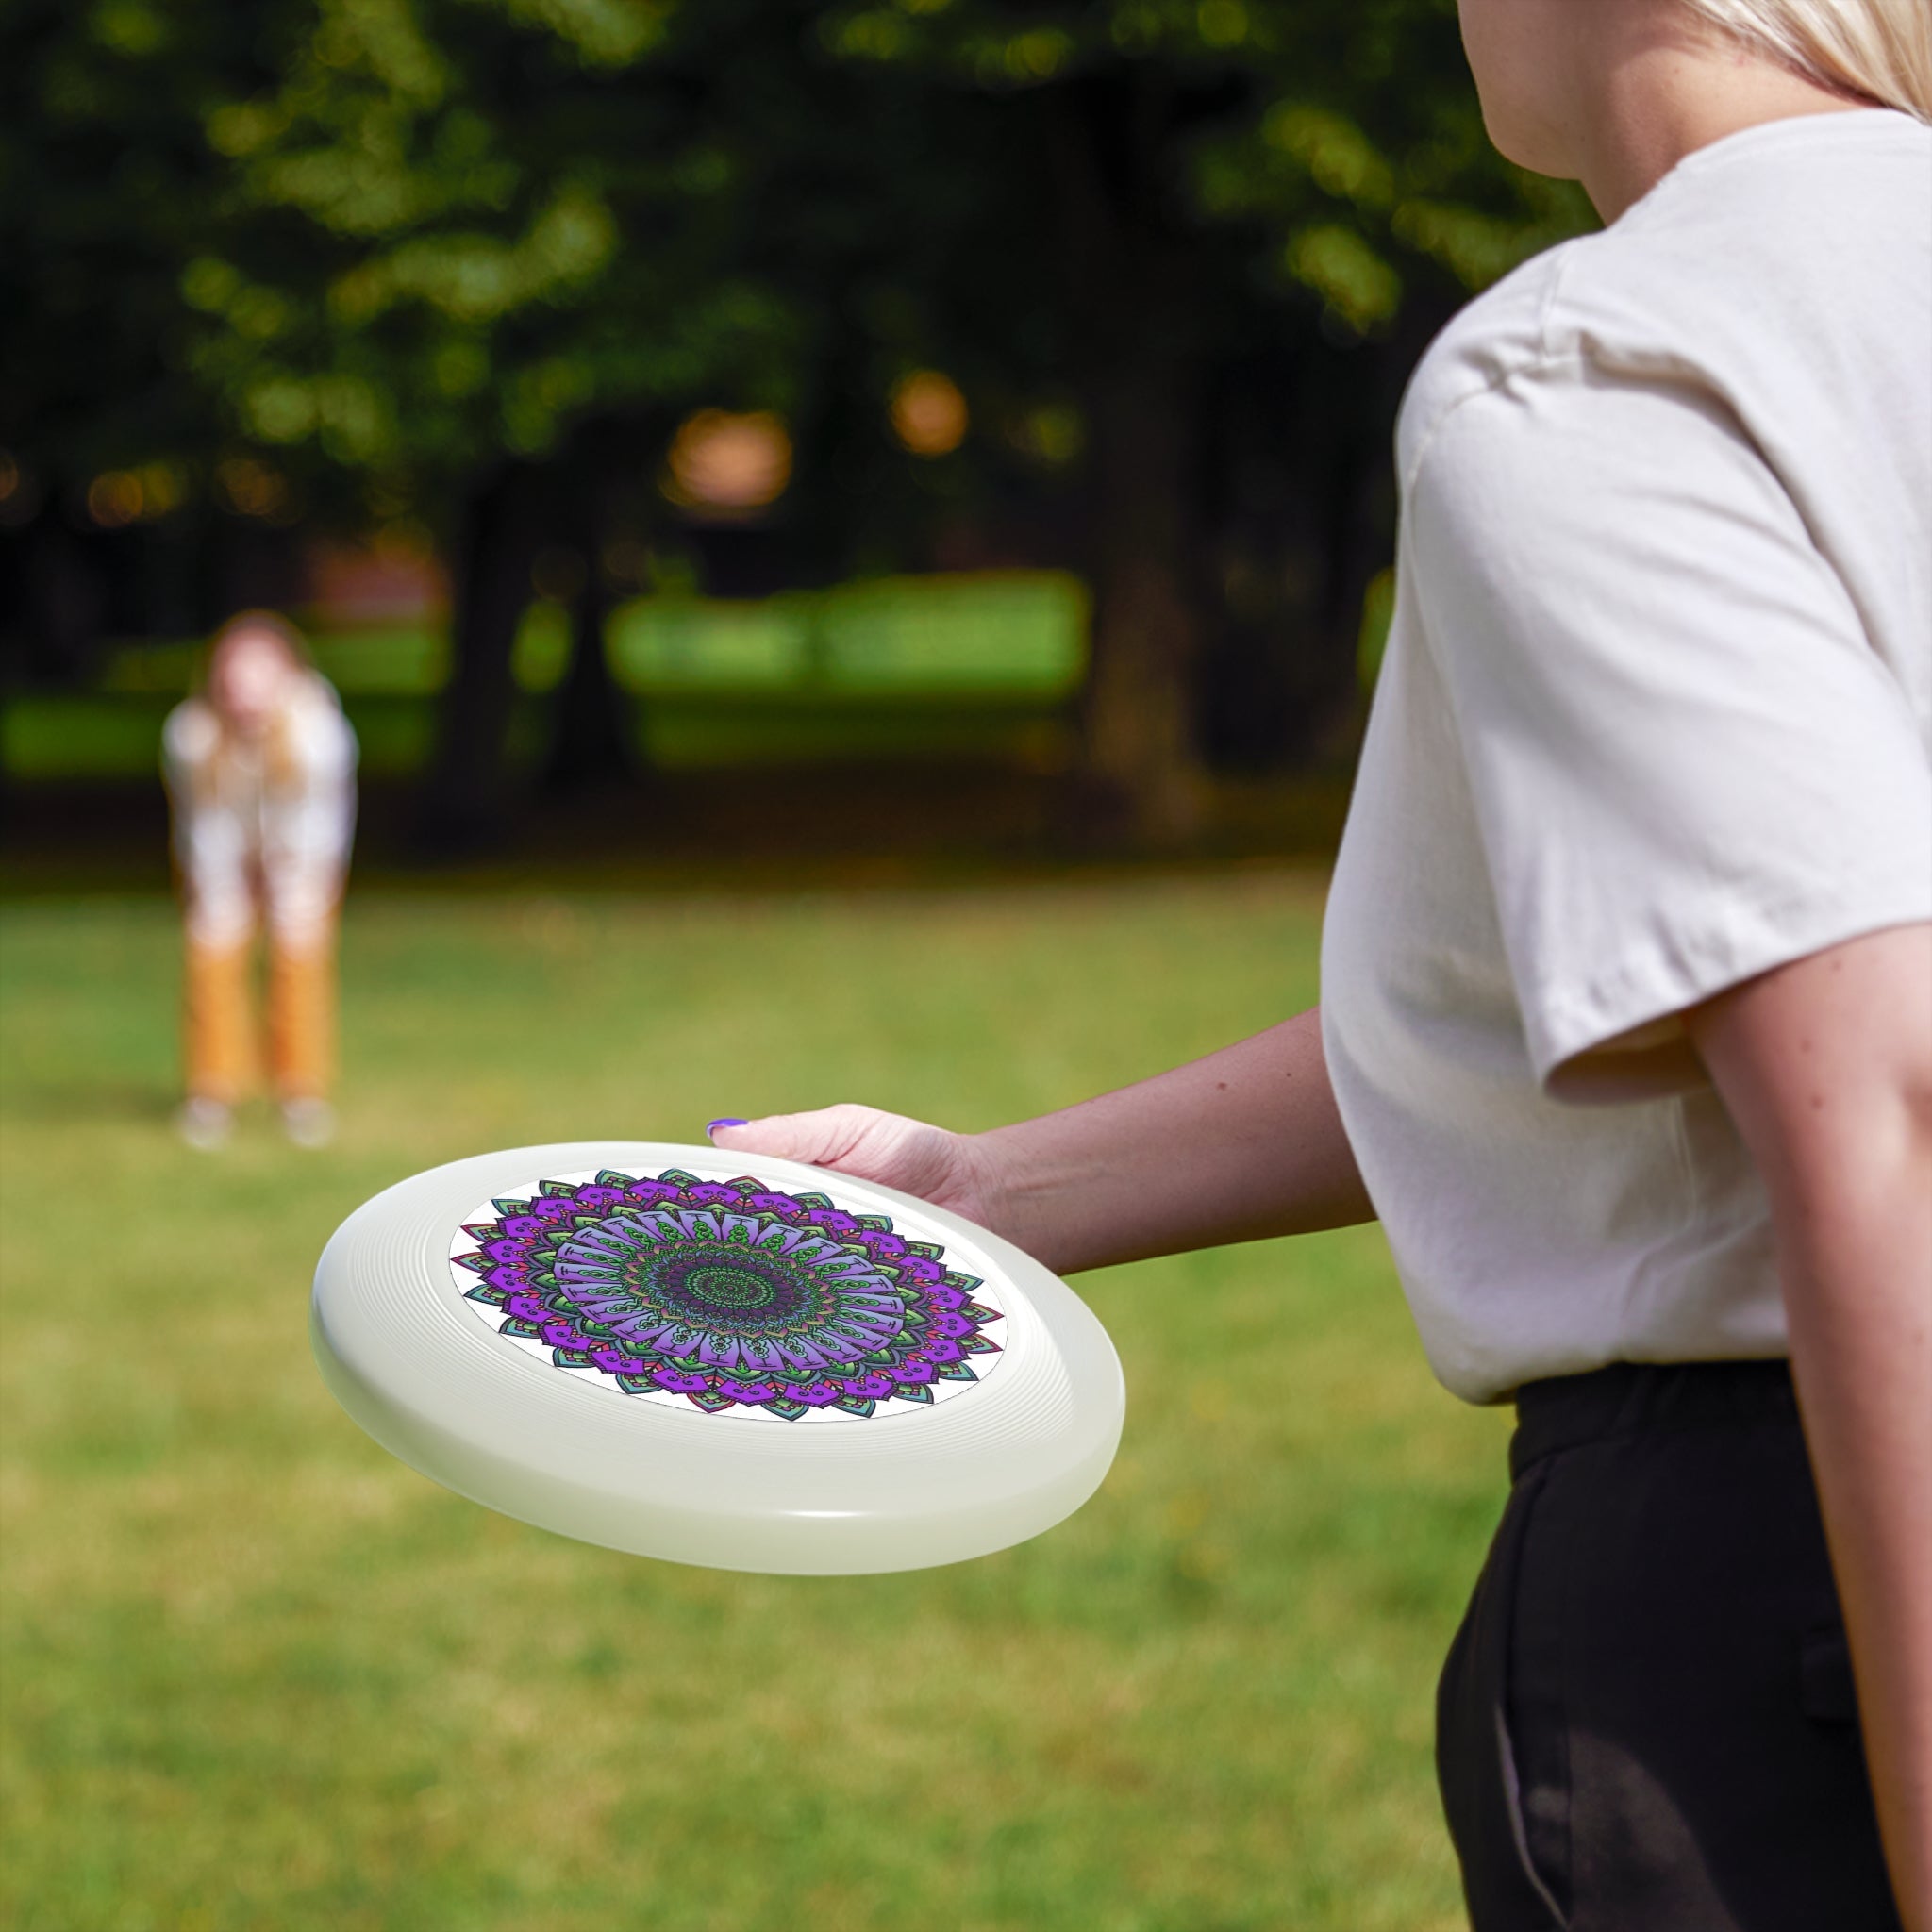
1765	261
316	696
1498	335
192	733
321	735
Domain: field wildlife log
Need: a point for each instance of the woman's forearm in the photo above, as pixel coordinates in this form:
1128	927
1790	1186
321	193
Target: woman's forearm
1241	1145
1244	1144
1858	1298
1826	1068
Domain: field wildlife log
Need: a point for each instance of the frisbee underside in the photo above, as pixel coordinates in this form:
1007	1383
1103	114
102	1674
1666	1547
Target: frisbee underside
983	1406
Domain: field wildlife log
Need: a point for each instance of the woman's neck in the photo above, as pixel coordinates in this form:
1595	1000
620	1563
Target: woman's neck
1655	97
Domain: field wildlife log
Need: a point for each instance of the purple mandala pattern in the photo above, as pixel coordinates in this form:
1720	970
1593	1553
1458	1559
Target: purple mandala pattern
727	1295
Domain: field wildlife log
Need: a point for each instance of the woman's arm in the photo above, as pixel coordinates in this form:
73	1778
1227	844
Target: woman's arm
1244	1144
1826	1068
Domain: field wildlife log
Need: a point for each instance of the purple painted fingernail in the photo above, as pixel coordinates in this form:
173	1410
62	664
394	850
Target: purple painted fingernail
716	1125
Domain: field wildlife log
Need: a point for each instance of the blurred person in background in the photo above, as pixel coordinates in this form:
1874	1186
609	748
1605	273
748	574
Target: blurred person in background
260	768
1626	1021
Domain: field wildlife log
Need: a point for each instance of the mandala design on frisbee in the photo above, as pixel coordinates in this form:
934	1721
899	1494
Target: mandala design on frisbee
726	1296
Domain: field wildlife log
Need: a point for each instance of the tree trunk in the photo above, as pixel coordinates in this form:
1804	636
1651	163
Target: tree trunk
594	745
1140	742
1134	307
64	609
468	796
590	744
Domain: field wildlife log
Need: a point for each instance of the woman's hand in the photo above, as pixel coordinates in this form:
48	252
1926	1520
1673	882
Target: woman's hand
949	1170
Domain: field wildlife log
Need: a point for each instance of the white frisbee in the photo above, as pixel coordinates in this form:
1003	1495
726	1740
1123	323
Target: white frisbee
717	1358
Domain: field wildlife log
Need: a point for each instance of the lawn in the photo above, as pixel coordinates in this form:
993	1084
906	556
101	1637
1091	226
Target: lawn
259	1674
979	664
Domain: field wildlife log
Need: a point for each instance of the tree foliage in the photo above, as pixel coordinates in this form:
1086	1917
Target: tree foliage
427	257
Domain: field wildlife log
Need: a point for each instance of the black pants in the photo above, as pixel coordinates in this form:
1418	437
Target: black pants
1646	1722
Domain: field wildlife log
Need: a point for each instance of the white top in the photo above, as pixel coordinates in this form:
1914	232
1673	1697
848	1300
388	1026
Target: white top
1656	716
248	824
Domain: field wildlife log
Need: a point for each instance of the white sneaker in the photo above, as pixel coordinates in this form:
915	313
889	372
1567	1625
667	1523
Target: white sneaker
203	1124
308	1121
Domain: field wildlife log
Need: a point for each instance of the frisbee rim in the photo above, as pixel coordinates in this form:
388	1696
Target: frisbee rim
727	1492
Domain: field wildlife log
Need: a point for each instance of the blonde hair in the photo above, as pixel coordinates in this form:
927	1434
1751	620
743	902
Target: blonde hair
1879	50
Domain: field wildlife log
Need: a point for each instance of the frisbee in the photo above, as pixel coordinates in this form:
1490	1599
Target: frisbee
717	1358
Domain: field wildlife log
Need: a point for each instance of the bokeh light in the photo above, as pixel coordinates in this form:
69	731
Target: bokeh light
250	489
929	415
119	497
1050	433
114	499
727	464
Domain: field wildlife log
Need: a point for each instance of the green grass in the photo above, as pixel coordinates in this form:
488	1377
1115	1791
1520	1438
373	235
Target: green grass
983	664
259	1674
73	735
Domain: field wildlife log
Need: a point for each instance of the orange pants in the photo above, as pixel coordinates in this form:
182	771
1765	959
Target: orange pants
222	1047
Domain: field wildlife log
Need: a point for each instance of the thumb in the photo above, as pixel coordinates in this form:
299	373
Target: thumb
818	1139
860	1140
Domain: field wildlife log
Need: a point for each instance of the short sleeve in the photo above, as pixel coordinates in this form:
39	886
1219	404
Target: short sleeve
1688	763
324	739
188	741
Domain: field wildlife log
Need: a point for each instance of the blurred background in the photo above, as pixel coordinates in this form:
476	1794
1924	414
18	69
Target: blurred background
855	540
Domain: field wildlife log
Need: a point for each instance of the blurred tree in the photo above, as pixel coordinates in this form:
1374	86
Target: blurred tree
1235	194
107	189
469	262
510	227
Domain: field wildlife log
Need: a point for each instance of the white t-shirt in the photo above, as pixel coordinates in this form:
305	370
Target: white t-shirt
1656	716
245	832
